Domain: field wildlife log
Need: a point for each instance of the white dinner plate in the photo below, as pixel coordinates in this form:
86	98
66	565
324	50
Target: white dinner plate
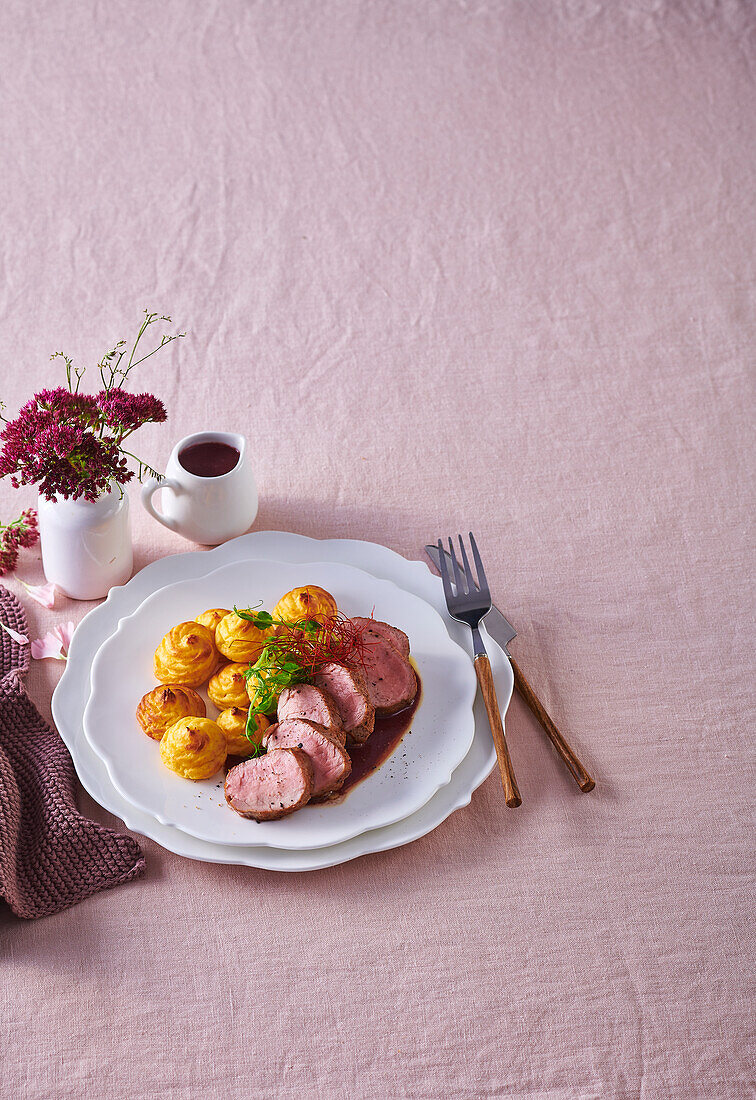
440	736
72	693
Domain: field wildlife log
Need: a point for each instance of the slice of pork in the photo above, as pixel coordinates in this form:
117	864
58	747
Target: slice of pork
308	701
390	633
270	786
348	690
390	678
330	762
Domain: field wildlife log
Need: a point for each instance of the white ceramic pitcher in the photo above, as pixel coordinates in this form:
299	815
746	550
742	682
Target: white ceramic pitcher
207	510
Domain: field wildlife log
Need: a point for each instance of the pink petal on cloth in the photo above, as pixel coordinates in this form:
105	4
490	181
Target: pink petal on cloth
20	638
49	646
64	631
42	593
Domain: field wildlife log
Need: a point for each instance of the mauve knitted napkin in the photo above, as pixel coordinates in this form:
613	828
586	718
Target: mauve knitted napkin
50	856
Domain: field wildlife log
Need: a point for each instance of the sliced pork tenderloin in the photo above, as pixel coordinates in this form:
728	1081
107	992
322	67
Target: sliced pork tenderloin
390	678
314	704
348	690
330	762
386	631
270	786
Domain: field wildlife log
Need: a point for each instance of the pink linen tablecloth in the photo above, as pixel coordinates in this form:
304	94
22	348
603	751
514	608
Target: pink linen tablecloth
448	264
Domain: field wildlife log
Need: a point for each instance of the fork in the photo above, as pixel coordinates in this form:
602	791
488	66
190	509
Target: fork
468	604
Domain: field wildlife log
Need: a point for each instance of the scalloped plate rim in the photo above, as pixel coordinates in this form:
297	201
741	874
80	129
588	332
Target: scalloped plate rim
71	694
277	837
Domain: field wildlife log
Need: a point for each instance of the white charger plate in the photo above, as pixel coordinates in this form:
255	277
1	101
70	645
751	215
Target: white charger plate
440	737
71	695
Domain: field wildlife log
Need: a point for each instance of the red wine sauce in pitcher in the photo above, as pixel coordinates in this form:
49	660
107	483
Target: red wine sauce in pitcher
211	459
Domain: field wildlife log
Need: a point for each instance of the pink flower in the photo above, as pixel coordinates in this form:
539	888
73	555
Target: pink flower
42	593
54	644
70	445
21	532
20	638
122	410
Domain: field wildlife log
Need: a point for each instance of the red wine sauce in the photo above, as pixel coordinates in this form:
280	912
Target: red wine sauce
211	459
382	742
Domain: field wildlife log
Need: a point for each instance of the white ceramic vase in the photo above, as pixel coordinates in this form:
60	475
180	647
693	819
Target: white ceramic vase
86	546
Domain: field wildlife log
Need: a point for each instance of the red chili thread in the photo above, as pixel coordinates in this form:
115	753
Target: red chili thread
337	639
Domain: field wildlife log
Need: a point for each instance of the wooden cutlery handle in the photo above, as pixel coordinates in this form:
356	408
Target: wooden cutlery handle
485	679
578	772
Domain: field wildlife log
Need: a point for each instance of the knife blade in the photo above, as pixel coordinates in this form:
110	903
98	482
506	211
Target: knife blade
497	626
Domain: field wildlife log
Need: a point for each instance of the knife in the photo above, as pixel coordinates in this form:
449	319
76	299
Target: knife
500	629
503	632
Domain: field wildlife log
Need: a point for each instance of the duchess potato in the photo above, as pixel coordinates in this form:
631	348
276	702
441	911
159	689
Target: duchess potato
307	602
233	722
239	639
228	688
164	705
212	617
186	655
194	748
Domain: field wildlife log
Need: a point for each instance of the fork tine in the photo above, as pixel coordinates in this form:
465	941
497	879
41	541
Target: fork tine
461	591
469	578
448	595
482	582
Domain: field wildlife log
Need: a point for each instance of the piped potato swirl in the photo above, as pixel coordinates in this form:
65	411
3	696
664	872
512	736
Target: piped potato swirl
308	602
186	655
228	687
212	617
194	748
239	640
164	705
233	722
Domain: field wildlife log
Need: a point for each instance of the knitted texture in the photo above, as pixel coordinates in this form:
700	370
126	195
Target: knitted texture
50	856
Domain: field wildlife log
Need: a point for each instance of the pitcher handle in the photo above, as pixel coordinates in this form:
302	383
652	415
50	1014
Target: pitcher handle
148	489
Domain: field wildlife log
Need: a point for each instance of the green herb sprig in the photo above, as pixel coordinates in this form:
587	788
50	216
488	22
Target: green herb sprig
250	732
292	656
272	675
263	620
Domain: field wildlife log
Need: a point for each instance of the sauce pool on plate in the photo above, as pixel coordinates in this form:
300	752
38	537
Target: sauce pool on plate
381	744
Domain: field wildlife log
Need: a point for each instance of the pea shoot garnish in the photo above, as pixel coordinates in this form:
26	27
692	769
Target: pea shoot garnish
292	654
